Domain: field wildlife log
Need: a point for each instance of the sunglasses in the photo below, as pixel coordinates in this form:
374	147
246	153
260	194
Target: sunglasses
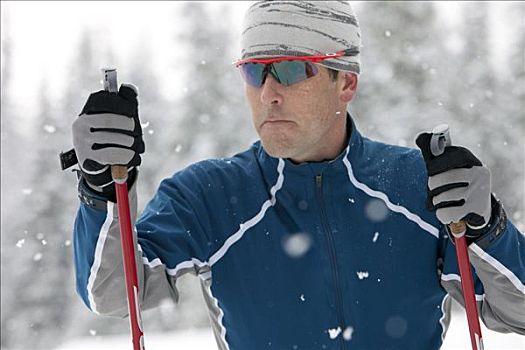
287	70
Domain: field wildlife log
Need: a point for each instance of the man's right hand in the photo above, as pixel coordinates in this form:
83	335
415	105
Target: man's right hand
108	132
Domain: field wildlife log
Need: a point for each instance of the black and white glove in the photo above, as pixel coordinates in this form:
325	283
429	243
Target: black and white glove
459	187
108	132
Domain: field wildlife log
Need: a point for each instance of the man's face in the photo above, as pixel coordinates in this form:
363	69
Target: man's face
303	121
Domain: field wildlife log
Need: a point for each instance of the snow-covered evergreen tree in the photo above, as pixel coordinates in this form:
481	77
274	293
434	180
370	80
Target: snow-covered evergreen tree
212	118
402	59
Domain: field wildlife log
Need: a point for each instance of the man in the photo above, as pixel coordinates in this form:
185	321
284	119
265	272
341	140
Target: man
314	238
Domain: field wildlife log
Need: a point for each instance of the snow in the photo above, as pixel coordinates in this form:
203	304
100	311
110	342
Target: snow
27	191
376	210
457	338
195	339
303	205
37	257
362	274
49	129
347	334
334	332
391	117
297	244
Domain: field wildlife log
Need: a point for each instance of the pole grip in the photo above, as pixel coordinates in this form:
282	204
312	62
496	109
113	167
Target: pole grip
458	229
119	173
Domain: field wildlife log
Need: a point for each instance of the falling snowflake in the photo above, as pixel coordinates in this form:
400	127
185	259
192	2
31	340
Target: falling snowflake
334	332
50	129
37	257
20	243
347	334
376	210
296	245
376	236
303	205
362	274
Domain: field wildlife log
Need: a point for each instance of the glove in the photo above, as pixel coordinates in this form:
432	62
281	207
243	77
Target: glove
458	187
108	132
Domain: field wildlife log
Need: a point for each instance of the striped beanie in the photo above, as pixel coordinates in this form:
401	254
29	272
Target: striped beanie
302	28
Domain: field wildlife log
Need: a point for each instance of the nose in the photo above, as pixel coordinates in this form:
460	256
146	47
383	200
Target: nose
270	91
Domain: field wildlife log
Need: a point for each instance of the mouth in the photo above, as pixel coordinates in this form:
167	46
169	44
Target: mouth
276	122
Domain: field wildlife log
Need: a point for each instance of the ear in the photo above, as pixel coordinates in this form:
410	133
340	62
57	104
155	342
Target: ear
348	86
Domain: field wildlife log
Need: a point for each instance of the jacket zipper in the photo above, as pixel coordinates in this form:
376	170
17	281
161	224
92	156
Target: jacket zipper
333	258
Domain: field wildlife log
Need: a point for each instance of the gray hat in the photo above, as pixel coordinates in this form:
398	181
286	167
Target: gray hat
303	28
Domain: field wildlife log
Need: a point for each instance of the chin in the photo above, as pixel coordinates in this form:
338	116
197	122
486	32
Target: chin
276	150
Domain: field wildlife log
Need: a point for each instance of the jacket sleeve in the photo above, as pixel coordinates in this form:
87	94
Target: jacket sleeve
170	240
498	259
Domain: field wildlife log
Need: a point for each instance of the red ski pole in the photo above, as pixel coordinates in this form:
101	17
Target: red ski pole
458	230
120	175
440	139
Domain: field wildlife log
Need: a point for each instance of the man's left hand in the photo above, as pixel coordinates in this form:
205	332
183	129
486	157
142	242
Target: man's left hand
458	186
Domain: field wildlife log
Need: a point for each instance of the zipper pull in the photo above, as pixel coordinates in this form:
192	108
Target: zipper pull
319	180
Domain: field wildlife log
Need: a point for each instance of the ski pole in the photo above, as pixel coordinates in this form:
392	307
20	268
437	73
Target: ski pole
440	139
120	176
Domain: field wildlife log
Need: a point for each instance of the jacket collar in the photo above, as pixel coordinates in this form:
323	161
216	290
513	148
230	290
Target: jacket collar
351	151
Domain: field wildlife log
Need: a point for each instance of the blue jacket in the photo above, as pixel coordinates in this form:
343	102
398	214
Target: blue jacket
338	254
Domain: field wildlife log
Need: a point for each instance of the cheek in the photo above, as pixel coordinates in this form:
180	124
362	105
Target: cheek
312	101
252	95
303	100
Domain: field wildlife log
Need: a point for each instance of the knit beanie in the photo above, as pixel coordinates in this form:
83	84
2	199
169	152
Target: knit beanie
302	28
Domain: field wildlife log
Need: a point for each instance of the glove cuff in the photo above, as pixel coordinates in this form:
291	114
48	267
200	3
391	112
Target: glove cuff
493	230
98	199
90	197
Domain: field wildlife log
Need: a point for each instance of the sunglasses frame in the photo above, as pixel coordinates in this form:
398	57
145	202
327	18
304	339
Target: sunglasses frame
311	59
314	58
